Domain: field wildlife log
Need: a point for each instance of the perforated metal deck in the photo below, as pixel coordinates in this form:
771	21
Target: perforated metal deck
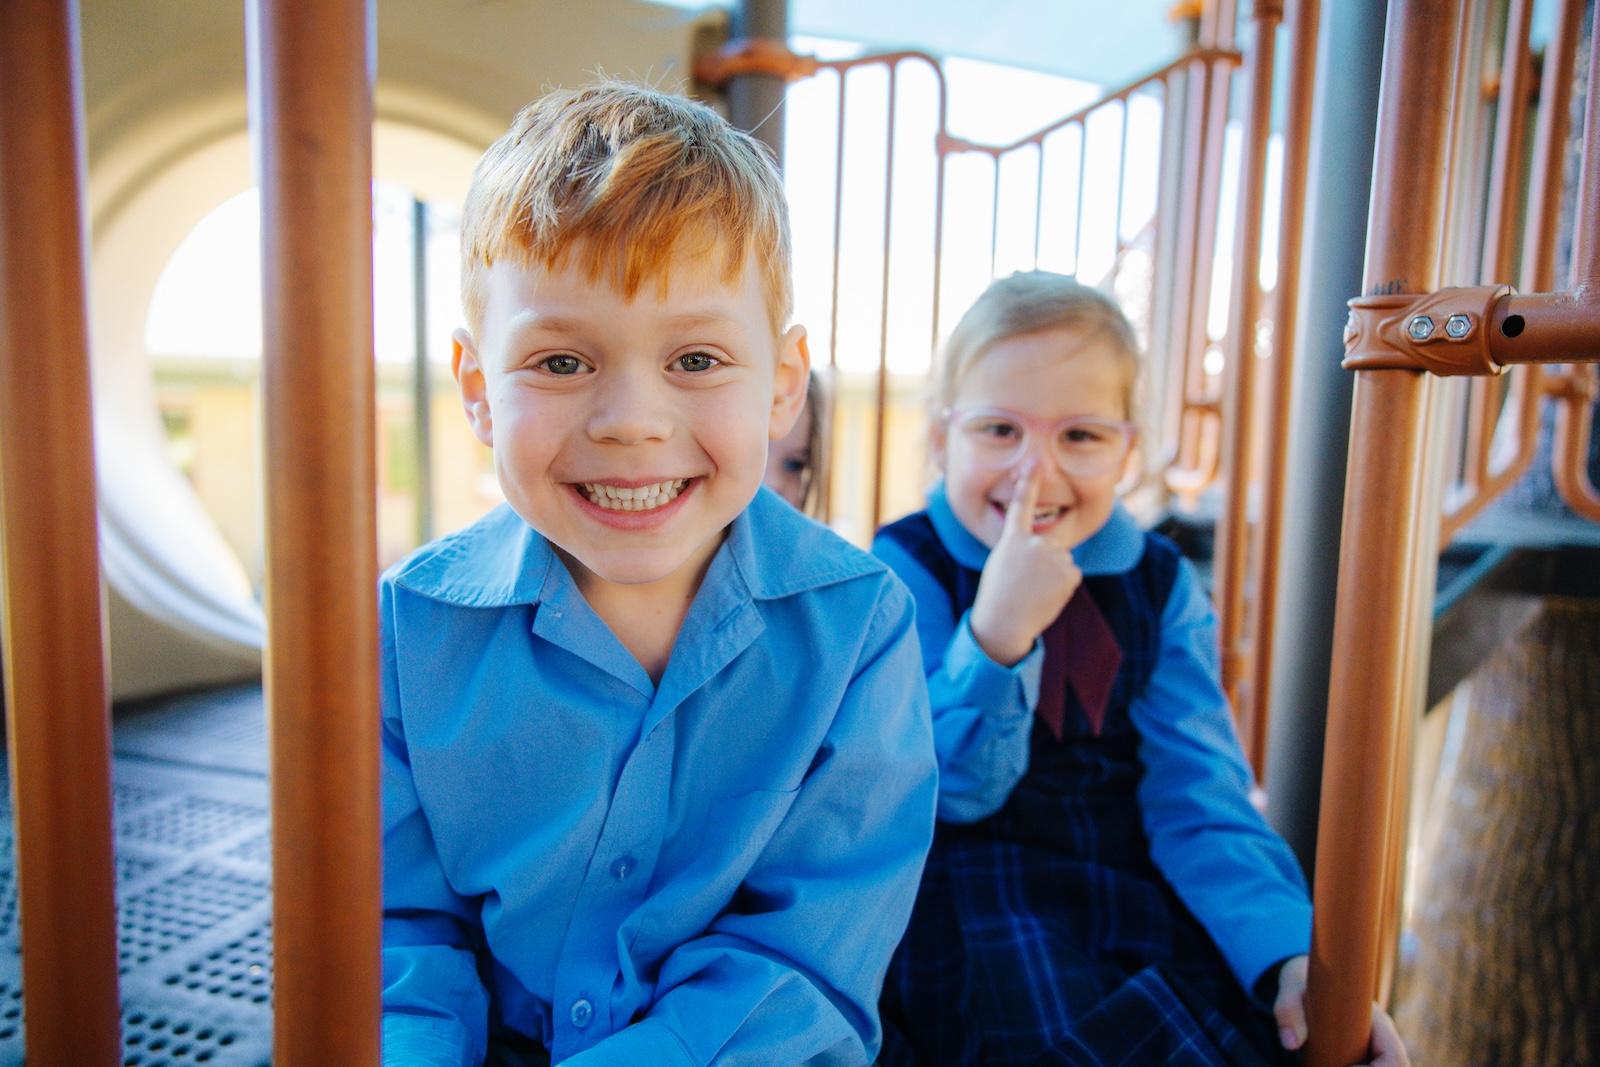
194	910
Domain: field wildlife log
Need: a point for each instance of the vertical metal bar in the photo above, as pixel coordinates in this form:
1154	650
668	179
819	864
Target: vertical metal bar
55	678
1572	421
1549	148
1238	420
422	380
1188	152
1379	548
1500	228
311	71
1122	177
881	426
938	216
1485	413
833	303
1510	126
1585	281
1038	204
1077	214
1198	337
1164	261
994	219
1304	26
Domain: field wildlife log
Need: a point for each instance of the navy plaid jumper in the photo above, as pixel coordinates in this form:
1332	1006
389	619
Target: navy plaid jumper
1045	934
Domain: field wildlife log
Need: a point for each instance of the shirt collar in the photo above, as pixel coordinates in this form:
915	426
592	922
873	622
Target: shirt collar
500	560
1115	548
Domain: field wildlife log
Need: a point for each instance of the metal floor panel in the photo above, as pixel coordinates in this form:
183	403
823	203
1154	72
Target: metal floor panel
194	908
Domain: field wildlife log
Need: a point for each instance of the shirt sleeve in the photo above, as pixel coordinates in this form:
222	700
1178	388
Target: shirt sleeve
982	710
1237	876
435	1008
790	971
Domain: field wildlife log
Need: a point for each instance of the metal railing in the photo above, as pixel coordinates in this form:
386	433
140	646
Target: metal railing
1404	336
311	70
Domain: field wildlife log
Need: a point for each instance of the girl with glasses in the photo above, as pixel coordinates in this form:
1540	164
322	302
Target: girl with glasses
1100	888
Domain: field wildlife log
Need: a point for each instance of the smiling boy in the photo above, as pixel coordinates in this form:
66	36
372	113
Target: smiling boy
658	767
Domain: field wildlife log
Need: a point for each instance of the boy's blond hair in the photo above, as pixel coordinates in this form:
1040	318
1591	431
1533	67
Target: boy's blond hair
626	175
1027	302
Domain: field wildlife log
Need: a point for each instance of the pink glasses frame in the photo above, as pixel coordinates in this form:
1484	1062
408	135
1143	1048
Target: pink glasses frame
1047	430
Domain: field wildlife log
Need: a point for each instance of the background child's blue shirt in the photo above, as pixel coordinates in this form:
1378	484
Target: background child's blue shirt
729	857
1235	875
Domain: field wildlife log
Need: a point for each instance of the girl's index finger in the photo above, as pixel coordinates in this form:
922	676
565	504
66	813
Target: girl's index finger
1024	500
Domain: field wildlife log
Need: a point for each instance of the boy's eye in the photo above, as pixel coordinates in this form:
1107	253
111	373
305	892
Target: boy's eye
695	362
563	364
795	465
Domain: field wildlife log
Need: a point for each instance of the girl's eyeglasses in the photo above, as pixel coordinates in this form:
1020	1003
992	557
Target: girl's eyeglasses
1084	446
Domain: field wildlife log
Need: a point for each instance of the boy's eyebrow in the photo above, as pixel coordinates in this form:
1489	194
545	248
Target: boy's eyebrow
529	321
708	317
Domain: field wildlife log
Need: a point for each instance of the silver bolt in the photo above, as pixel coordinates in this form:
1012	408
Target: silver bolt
1458	326
1420	328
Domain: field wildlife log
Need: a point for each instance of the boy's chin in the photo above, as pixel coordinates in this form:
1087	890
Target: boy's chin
637	567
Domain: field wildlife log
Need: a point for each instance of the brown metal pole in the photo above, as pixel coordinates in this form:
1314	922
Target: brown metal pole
1572	420
1238	420
55	676
312	72
1549	148
1499	265
1378	548
1304	24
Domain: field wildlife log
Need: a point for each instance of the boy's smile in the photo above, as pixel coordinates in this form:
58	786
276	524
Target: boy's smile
629	431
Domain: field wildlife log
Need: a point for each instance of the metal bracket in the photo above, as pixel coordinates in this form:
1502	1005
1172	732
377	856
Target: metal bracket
753	55
1444	332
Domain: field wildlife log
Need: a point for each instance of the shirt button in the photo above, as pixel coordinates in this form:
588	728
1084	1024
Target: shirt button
582	1013
622	868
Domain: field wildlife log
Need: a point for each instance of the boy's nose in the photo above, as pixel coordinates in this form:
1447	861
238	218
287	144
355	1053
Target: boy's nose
630	410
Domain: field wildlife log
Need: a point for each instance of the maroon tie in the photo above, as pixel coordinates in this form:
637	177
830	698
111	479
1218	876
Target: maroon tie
1079	650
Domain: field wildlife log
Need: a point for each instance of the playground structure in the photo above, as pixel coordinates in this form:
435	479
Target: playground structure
1428	454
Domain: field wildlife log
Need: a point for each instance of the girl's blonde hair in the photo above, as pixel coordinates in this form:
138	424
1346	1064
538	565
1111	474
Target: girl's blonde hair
1027	302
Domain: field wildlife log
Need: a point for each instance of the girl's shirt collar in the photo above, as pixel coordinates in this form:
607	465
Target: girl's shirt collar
1115	548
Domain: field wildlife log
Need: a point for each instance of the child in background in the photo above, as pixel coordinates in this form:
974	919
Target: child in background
797	461
658	770
1100	888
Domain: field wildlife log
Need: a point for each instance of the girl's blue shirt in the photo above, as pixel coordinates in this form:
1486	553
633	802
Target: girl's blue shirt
1237	876
716	868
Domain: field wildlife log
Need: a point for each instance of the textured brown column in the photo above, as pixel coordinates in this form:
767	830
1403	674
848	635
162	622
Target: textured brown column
312	75
1378	549
1506	928
55	665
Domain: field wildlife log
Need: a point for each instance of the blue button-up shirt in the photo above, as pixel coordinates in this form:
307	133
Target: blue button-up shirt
1236	876
714	869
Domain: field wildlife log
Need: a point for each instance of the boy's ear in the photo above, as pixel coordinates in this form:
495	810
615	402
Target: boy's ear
474	390
789	381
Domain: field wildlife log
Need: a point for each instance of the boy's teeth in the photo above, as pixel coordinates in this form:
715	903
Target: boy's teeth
637	498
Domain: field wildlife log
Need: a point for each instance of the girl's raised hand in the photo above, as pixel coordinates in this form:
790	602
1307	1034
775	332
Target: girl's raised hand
1027	581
